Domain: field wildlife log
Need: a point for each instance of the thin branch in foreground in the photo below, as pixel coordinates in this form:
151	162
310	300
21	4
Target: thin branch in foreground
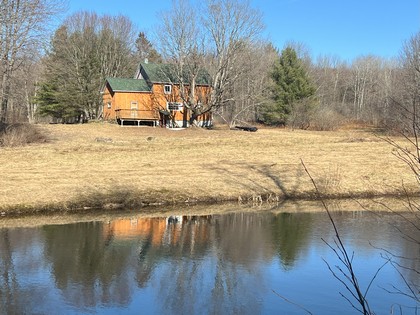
293	303
343	256
412	290
414	295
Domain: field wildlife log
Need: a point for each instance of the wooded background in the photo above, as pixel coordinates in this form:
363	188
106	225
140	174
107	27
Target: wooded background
59	72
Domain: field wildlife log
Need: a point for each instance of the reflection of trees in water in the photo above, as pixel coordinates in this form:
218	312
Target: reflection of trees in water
407	262
178	240
179	255
229	274
17	259
88	268
193	265
9	288
197	258
239	238
290	235
395	236
409	266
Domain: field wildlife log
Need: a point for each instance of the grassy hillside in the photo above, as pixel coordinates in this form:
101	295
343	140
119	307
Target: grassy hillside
105	165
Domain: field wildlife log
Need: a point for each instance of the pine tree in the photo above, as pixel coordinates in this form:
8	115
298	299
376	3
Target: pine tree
145	49
291	87
54	96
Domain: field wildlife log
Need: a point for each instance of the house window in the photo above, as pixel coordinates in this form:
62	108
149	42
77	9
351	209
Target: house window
173	106
167	89
109	105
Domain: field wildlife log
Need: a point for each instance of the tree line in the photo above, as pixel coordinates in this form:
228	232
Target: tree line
252	81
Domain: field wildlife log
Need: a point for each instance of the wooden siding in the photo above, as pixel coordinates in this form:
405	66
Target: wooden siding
148	103
121	105
108	111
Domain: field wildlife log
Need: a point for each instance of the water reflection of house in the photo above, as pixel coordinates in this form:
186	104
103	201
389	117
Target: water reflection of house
161	231
130	228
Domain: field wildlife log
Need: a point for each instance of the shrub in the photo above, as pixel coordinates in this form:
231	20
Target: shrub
14	135
326	119
301	115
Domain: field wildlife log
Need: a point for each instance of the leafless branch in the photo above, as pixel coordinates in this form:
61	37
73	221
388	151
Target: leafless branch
344	257
293	303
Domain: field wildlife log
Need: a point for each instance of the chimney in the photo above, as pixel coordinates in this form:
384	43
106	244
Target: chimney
146	61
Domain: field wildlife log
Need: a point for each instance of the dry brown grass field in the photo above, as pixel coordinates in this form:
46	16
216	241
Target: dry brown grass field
105	165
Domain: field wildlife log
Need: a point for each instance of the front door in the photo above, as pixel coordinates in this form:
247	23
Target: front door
134	109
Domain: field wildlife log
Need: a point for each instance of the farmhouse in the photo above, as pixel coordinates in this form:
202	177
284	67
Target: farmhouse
153	97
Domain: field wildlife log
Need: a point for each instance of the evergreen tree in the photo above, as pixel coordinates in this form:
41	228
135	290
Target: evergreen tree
291	88
85	50
53	96
49	103
145	49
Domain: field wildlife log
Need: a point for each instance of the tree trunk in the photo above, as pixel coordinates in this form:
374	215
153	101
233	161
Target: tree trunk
5	102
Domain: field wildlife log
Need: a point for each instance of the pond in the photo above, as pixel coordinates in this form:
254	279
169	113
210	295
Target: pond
239	262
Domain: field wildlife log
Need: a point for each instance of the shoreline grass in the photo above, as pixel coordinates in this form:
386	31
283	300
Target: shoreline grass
101	165
134	201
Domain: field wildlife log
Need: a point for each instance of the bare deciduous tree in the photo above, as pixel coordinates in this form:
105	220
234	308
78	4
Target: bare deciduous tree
253	87
361	91
23	26
211	38
183	46
405	97
231	25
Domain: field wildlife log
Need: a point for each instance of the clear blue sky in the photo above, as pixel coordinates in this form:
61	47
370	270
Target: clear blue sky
343	28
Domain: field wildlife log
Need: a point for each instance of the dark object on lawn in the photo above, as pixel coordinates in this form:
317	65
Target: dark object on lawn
100	139
244	128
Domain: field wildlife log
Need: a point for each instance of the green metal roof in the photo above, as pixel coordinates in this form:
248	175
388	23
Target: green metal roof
128	85
165	73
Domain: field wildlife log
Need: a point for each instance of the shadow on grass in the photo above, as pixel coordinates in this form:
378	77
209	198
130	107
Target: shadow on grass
253	178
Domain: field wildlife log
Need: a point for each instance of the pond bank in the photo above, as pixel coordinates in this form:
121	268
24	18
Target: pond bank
116	204
60	216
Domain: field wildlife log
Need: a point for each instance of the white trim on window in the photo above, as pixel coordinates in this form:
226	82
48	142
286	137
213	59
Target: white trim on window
167	89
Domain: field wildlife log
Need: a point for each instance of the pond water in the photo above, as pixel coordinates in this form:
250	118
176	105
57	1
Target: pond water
260	262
